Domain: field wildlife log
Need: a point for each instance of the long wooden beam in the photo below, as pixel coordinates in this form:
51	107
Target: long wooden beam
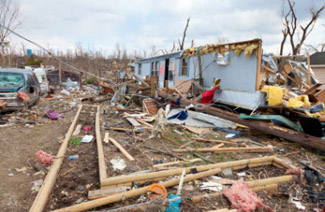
291	135
125	153
154	175
100	151
230	149
46	189
133	193
141	80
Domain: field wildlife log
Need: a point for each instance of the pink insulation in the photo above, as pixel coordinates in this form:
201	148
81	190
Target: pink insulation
44	158
243	198
296	171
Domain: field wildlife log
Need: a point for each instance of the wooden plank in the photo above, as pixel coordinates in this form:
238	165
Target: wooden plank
141	80
95	194
221	150
153	175
125	153
43	194
308	67
284	56
269	69
100	151
144	123
133	193
106	138
215	141
176	163
77	130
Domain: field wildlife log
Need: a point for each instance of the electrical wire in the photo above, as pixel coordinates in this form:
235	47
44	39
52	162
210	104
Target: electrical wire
55	57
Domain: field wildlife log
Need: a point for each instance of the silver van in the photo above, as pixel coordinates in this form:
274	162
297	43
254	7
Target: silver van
13	80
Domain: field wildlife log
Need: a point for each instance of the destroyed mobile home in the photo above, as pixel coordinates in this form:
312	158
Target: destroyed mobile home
194	130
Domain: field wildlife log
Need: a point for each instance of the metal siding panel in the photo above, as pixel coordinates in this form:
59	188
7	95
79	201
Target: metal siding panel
239	74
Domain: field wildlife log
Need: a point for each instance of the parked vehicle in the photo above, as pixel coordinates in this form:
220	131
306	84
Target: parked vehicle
13	81
42	79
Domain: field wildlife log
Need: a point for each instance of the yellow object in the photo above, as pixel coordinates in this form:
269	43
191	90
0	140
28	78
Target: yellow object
313	115
249	49
295	103
216	83
274	95
240	48
299	101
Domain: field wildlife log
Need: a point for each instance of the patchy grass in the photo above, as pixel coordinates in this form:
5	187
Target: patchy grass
188	135
186	164
179	141
75	140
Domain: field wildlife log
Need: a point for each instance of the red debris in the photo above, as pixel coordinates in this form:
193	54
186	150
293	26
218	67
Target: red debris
207	96
296	171
243	198
44	158
22	97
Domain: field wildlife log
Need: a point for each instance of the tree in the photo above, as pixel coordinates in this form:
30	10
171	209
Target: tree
181	44
292	32
9	20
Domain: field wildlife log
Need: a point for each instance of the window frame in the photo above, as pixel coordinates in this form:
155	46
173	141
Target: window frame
182	72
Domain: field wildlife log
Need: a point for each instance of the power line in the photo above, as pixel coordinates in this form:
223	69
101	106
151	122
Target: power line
55	57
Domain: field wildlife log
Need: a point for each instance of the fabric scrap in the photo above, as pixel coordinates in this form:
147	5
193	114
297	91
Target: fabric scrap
207	96
53	114
181	115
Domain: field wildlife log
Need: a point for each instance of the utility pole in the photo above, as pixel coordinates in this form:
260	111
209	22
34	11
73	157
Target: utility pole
60	75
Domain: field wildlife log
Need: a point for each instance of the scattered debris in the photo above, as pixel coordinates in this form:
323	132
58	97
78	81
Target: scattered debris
118	164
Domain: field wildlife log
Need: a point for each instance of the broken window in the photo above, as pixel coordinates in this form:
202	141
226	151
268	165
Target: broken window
154	68
223	55
11	80
184	71
139	70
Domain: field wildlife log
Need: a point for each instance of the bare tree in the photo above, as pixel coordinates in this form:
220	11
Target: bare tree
292	30
181	44
9	20
318	48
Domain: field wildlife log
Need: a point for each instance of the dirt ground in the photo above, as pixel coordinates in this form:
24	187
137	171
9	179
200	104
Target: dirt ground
18	145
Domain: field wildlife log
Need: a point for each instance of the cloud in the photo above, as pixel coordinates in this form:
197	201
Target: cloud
141	24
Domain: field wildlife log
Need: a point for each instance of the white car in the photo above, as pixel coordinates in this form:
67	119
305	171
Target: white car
42	79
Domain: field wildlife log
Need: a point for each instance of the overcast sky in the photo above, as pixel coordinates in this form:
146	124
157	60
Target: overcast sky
141	24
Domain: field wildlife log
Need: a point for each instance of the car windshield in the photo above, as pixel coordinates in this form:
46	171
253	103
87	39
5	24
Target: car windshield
12	81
